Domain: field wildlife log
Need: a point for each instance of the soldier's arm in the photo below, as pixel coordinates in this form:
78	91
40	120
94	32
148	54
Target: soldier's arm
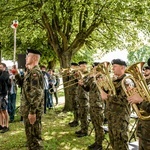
36	94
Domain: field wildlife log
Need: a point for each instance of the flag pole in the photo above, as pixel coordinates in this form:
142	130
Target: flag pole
14	26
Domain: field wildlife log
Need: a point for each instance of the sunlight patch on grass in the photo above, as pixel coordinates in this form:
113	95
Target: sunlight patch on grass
16	132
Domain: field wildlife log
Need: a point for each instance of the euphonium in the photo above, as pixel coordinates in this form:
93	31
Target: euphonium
140	86
106	82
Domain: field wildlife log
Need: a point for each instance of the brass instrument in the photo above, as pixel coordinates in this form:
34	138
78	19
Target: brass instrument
140	87
65	72
106	82
80	75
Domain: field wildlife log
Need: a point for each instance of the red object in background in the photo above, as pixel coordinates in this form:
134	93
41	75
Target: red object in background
13	71
14	24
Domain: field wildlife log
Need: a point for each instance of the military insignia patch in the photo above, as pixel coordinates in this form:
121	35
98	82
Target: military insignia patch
34	75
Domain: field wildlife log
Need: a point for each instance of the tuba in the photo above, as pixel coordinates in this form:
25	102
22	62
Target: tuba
140	86
106	81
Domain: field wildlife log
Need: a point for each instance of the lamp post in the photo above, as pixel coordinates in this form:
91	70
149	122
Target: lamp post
14	26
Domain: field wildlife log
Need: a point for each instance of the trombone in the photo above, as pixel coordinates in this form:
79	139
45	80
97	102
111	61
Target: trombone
80	76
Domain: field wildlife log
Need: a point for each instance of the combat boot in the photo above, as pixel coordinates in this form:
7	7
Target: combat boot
92	146
82	134
78	132
97	147
74	124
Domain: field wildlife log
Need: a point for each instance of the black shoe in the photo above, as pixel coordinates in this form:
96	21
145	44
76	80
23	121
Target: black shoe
97	147
73	124
92	146
78	132
5	129
82	134
11	121
1	128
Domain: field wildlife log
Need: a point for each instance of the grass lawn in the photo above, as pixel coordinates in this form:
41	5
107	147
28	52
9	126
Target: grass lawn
57	134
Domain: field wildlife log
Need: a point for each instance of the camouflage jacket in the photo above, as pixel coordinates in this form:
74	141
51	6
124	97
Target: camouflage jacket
143	128
117	105
82	95
74	84
94	93
32	96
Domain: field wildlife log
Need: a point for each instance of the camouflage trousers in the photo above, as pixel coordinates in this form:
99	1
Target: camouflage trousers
118	132
96	115
83	114
144	144
33	134
75	107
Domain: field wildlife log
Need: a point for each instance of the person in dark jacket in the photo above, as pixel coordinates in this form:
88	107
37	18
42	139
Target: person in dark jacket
4	87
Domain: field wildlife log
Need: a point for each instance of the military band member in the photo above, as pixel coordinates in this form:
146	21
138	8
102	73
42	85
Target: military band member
95	107
143	127
117	109
83	99
73	95
32	99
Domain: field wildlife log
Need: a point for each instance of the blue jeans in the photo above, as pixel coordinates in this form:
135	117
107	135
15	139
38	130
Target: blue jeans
49	100
11	105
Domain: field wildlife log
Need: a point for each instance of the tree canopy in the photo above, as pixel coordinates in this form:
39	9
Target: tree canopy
61	28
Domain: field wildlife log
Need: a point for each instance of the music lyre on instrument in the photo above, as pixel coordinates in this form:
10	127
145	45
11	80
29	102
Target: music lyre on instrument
140	86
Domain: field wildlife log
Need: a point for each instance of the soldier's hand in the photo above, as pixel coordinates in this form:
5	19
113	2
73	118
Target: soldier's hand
104	95
32	118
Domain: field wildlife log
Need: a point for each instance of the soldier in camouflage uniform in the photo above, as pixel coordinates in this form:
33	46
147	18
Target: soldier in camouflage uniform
73	96
32	100
117	109
143	127
96	109
83	99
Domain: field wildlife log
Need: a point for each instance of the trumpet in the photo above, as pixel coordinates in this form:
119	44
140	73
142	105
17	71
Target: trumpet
140	87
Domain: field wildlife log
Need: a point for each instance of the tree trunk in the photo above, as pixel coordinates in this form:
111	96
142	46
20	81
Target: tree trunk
52	64
65	61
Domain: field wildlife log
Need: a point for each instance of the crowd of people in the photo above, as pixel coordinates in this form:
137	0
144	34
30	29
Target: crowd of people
90	97
87	97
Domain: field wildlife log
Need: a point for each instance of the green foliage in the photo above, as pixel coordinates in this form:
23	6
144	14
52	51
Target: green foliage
71	24
142	54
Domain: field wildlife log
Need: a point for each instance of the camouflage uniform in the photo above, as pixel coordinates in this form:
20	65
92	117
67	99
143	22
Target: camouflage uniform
143	127
118	115
83	99
96	109
32	101
73	97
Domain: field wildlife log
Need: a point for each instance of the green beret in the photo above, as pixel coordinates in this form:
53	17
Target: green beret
95	64
33	51
74	64
118	62
146	67
82	62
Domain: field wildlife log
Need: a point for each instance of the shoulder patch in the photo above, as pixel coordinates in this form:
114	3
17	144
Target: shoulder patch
34	75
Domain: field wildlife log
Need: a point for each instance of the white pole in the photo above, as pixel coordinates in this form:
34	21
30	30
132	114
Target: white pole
14	26
15	31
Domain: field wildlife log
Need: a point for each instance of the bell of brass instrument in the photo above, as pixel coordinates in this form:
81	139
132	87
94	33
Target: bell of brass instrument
140	86
106	82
